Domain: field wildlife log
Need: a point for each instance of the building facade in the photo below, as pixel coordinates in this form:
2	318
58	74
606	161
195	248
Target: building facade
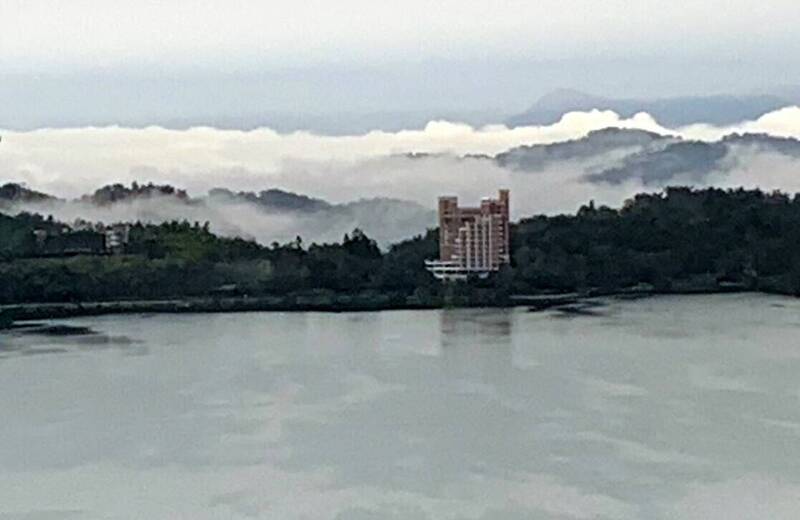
472	240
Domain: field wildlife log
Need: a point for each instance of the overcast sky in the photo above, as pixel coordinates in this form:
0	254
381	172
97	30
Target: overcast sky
104	61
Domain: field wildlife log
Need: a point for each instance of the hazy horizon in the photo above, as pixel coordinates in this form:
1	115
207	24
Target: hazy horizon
362	65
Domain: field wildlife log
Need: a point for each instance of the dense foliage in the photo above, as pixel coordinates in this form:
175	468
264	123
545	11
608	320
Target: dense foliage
681	239
677	240
119	192
177	259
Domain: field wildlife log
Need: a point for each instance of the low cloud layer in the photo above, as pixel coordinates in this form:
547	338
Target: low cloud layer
414	166
385	220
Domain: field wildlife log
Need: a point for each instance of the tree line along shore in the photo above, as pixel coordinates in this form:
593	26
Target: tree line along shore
679	240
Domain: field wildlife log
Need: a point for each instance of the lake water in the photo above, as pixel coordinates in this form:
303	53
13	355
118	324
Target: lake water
661	408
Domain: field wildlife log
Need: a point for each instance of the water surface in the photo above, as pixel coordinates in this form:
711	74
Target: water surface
671	407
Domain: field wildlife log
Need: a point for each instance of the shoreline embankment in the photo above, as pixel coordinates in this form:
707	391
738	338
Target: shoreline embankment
344	303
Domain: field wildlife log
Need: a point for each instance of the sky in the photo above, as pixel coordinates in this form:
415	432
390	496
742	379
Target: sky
329	98
91	33
359	64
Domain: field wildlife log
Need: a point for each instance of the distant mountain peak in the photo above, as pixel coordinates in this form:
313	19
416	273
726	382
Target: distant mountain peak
723	109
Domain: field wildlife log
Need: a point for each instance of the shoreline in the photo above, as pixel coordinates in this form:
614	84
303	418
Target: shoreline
51	311
27	312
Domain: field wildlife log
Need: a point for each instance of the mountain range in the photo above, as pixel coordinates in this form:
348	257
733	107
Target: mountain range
614	156
671	112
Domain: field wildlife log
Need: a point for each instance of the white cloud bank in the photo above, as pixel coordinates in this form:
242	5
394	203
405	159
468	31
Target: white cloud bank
70	162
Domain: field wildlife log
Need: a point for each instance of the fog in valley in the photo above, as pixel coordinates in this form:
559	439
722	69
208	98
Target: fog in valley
387	183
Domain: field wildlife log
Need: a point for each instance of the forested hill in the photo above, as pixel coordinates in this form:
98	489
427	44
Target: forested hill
677	240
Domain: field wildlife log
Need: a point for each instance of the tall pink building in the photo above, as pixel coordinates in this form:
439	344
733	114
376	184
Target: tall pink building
472	240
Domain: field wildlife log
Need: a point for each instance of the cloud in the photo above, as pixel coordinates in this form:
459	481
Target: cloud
411	165
72	161
385	220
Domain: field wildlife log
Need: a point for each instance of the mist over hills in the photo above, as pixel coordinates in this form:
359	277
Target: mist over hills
273	200
383	183
607	156
672	112
615	156
596	144
12	194
271	215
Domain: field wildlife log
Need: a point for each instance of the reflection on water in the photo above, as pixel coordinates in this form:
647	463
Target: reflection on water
47	339
655	409
487	354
